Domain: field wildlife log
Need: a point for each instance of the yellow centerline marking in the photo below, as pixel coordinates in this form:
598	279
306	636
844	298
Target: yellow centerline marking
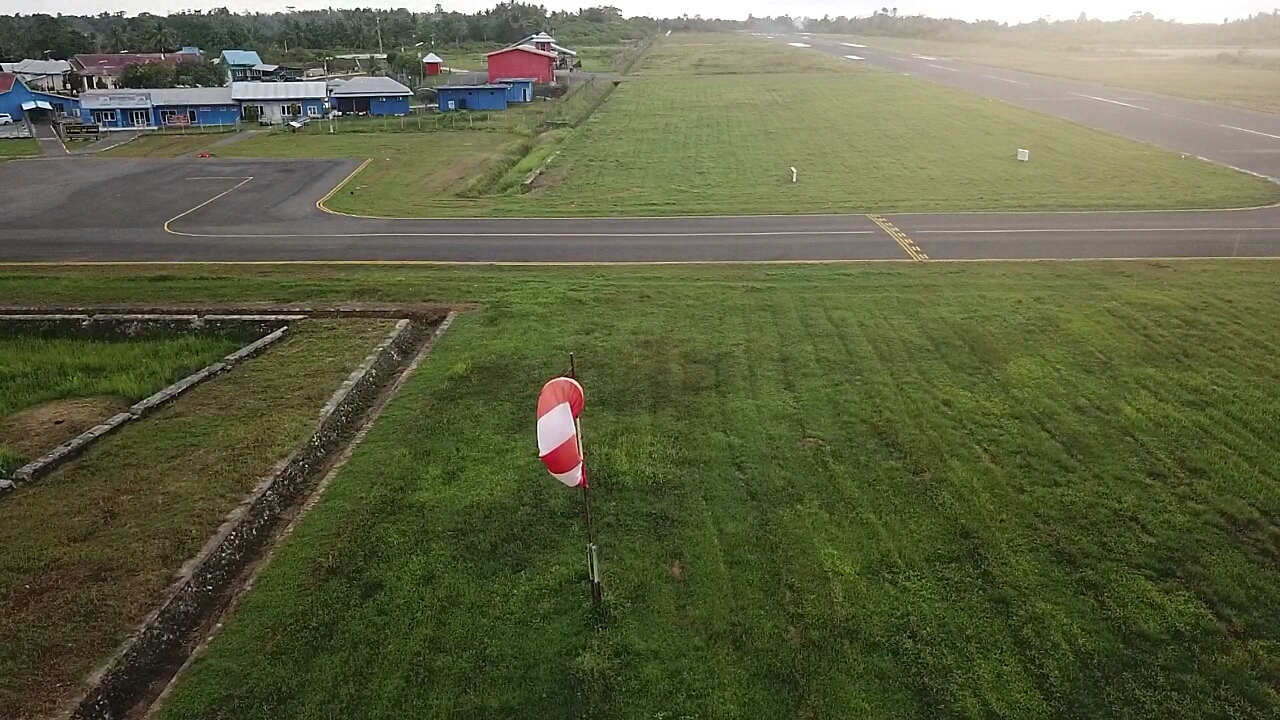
899	237
320	203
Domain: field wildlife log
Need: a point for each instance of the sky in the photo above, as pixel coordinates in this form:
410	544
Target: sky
1003	10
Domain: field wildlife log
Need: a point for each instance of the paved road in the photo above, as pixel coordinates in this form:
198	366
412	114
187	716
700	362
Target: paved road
94	209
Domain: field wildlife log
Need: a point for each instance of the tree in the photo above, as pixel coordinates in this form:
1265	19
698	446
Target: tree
160	37
117	38
201	73
147	75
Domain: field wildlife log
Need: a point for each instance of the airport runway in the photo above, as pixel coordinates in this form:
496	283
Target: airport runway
98	210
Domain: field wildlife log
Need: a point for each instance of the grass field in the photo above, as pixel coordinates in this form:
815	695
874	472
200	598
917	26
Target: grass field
1229	75
19	147
712	125
1006	489
165	145
90	549
35	371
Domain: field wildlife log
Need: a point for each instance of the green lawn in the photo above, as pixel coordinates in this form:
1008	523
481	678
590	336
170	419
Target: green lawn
90	549
1224	75
35	371
714	122
15	147
166	145
1006	489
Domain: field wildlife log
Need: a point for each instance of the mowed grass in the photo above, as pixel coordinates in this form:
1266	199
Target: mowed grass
90	549
1223	75
165	145
714	123
1006	489
37	370
19	147
408	169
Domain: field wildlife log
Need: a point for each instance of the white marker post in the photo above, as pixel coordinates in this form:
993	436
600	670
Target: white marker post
793	174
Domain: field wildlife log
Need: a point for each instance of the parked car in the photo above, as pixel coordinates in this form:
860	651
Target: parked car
6	119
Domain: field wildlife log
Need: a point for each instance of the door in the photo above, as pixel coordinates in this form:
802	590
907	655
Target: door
191	116
140	118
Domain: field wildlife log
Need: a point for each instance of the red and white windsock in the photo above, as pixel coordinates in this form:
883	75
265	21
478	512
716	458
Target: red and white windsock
559	405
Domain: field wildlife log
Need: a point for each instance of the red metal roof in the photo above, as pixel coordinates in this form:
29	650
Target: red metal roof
115	63
6	82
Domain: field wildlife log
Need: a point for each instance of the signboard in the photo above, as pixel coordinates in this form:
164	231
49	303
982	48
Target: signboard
108	100
70	131
177	120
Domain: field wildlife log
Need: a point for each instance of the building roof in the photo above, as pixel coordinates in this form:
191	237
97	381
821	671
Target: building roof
367	85
265	67
37	68
109	99
191	96
7	81
241	57
541	37
115	63
279	90
489	86
432	58
516	80
563	50
522	48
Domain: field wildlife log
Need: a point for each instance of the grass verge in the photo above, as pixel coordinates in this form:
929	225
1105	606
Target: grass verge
90	549
35	371
165	145
1017	489
19	147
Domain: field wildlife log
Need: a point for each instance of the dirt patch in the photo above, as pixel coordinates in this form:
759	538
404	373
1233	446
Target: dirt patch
677	570
35	430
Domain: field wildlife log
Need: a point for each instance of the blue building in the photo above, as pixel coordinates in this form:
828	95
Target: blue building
472	97
369	96
520	90
241	65
169	107
18	101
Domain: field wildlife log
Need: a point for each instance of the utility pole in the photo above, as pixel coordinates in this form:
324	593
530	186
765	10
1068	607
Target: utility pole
377	23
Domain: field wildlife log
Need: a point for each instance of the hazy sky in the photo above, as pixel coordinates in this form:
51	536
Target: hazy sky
1005	10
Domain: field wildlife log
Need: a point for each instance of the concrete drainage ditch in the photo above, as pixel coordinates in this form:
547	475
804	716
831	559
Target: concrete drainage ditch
163	642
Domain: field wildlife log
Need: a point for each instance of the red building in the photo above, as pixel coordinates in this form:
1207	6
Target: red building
432	63
523	61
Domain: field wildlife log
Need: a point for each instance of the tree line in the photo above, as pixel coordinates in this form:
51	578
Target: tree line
1138	30
276	35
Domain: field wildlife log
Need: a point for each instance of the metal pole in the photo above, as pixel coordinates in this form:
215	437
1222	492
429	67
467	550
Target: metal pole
593	556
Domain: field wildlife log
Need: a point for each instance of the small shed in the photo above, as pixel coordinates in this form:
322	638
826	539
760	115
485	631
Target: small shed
370	95
472	97
432	64
520	90
523	61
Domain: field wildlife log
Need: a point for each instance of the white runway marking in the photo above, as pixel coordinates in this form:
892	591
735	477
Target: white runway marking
942	67
1015	82
923	57
512	235
181	215
853	57
1113	102
1251	132
802	45
853	45
217	177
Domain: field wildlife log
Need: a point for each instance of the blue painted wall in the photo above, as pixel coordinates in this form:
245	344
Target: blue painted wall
521	91
472	98
389	105
205	114
123	117
11	102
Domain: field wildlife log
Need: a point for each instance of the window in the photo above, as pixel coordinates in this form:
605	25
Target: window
313	111
103	116
291	110
191	115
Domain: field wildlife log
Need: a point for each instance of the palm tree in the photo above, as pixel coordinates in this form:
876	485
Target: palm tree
160	37
117	38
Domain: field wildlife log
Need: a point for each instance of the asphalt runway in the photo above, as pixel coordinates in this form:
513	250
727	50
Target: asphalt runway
119	210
